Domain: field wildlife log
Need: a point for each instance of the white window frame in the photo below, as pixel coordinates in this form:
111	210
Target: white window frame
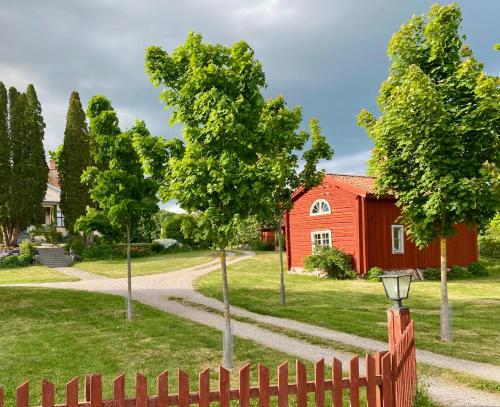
401	236
316	232
319	201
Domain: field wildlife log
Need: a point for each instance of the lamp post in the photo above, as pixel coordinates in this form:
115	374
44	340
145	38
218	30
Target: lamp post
397	288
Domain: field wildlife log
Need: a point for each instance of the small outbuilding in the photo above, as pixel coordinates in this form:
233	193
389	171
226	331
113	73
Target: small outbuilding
344	212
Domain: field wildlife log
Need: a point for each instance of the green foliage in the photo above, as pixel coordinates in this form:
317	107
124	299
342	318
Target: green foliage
437	144
49	233
459	272
27	248
421	397
432	274
157	247
23	167
117	183
489	242
247	234
75	244
216	93
478	270
100	250
334	262
374	274
73	160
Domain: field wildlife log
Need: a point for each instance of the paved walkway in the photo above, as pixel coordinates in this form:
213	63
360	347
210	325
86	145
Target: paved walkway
155	290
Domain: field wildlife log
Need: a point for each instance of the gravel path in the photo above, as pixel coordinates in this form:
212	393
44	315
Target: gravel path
82	275
155	290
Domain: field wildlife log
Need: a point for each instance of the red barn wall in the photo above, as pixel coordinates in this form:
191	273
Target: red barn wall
343	222
382	213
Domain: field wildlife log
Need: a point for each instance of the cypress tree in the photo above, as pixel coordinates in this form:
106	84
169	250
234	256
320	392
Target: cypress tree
73	160
28	178
4	156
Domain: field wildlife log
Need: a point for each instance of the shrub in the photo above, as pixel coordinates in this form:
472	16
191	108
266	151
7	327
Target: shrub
100	250
157	247
489	247
432	274
265	246
48	232
374	273
75	245
136	249
20	260
167	243
28	248
477	269
334	262
459	272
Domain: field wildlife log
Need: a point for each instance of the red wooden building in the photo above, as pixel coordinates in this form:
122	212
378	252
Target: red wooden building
345	213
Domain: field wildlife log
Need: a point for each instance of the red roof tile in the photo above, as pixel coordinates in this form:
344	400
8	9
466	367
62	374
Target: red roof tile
363	182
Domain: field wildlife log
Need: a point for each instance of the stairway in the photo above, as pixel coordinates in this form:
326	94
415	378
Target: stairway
53	257
23	236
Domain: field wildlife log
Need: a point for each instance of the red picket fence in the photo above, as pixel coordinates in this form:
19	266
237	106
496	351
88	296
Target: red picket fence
390	381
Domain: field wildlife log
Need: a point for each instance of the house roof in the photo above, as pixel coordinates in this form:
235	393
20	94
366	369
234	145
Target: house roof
363	182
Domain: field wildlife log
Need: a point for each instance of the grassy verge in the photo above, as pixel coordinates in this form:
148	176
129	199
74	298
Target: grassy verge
117	268
32	274
359	307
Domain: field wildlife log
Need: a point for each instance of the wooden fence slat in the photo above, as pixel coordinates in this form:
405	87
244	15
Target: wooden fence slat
162	389
141	390
386	380
119	391
371	386
204	385
338	386
95	390
354	381
47	394
283	385
72	393
1	397
301	378
245	386
319	382
263	386
23	395
224	387
183	389
378	372
87	387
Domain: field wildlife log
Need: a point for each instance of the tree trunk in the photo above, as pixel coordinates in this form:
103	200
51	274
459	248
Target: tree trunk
282	271
129	278
227	348
445	320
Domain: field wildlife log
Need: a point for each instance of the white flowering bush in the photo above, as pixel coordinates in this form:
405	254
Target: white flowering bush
167	243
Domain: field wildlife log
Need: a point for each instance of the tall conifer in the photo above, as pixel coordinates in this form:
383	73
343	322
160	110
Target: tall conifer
4	154
73	160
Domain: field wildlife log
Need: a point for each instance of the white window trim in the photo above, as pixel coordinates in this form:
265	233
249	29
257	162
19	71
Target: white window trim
402	239
320	213
314	232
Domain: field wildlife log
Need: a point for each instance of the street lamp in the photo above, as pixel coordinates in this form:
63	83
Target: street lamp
397	286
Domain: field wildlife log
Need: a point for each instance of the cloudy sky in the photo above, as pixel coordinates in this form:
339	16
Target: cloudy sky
327	55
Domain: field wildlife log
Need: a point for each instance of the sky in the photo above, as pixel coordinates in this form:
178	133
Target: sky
329	56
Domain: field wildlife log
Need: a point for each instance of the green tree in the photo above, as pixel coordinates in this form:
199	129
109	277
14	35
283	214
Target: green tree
74	158
27	183
281	124
117	182
215	92
5	156
437	144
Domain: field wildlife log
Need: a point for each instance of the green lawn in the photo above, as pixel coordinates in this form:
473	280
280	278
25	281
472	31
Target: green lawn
117	268
32	274
359	307
60	334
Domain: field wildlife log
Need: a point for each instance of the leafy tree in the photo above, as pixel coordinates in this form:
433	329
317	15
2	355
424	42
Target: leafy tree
117	182
280	124
74	158
26	184
223	174
437	144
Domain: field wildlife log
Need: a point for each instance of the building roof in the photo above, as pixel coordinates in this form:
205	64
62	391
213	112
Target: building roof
363	182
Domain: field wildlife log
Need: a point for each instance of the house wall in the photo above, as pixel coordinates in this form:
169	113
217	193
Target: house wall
343	223
382	213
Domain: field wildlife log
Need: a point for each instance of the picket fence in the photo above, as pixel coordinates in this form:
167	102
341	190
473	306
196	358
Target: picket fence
390	381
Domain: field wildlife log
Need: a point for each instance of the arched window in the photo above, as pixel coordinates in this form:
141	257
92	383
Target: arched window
320	207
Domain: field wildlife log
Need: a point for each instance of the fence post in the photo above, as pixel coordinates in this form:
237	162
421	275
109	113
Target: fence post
397	321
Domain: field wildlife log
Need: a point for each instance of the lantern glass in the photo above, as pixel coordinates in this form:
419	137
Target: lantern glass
397	286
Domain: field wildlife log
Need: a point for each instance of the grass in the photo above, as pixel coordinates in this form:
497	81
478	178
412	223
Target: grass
60	334
32	274
117	268
359	307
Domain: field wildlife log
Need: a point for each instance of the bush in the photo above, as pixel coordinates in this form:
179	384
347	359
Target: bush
48	232
432	274
28	248
489	247
167	243
157	247
75	245
136	249
100	250
334	262
459	272
374	274
265	246
477	269
20	260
